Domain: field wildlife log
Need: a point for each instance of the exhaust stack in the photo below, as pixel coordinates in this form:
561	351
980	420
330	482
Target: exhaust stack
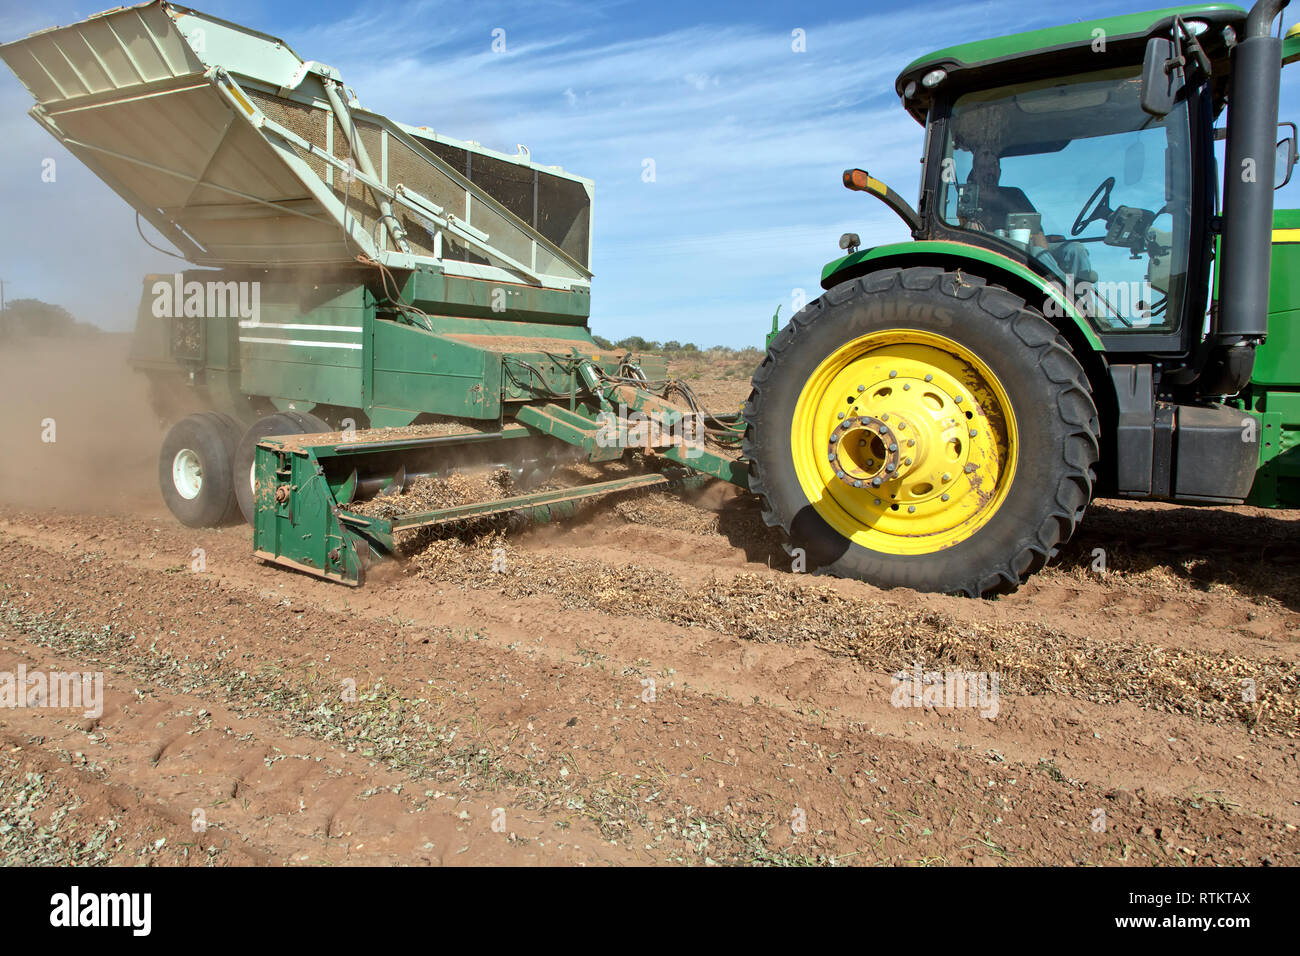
1248	190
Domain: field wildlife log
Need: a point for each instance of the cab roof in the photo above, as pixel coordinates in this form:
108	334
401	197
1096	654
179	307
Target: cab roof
1053	50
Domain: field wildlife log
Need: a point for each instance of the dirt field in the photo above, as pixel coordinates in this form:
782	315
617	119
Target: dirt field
647	685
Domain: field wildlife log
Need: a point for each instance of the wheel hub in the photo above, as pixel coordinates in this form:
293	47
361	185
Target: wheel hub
905	437
187	473
913	439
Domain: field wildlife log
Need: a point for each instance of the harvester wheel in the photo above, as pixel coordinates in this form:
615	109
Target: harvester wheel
281	423
917	428
194	469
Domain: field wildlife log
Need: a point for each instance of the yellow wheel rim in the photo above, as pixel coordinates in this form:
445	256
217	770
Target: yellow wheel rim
904	442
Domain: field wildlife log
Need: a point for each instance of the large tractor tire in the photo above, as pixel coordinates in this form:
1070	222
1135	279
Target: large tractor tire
194	470
281	423
917	428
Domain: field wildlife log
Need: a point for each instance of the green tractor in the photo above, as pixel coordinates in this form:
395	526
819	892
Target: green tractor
1081	311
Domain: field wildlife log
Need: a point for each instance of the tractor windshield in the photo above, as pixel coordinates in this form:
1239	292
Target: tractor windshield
1075	176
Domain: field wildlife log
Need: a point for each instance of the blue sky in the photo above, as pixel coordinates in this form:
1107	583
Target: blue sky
748	137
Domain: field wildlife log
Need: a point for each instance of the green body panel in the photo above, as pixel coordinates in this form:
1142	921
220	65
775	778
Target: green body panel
324	373
1277	361
1082	34
435	292
418	371
1277	483
1274	394
335	340
1291	46
907	252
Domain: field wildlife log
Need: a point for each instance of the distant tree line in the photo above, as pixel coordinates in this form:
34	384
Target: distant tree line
25	318
635	343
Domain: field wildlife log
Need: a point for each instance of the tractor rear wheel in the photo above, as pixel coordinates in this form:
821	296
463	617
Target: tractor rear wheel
917	428
281	423
194	470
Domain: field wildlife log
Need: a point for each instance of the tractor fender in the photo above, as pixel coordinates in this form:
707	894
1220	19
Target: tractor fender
991	266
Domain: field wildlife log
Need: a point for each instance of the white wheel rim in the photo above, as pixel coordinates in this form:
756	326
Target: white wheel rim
187	474
252	478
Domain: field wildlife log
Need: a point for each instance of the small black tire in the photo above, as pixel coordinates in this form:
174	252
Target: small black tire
1046	387
281	423
194	470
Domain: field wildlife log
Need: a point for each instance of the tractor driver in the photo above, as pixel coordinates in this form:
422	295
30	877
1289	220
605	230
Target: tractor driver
998	202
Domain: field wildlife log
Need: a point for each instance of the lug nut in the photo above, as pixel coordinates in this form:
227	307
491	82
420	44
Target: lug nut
929	378
889	467
969	469
862	388
834	439
877	501
841	415
876	483
885	417
902	426
894	447
957	399
911	509
911	442
947	477
893	373
907	461
973	433
943	497
857	483
906	387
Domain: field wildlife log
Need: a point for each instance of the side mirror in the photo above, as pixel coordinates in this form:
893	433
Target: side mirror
1160	84
1286	157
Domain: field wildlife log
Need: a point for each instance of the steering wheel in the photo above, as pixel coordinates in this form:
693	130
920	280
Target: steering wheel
1099	204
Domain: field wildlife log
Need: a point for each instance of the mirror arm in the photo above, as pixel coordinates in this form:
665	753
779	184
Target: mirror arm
859	181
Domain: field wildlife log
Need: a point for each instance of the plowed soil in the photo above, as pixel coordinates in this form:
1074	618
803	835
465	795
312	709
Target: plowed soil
647	684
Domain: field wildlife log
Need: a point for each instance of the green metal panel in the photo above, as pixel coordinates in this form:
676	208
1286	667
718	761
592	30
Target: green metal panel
305	344
1277	484
424	372
886	256
435	292
1274	394
1291	45
1277	361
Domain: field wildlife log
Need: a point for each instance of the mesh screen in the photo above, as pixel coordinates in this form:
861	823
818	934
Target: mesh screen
557	208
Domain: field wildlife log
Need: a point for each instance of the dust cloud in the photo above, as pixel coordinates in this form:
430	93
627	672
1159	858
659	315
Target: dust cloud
104	456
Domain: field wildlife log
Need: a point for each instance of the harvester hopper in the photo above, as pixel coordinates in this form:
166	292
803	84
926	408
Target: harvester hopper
242	153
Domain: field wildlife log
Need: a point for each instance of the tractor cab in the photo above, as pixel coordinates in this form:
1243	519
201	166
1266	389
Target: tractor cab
1044	148
1072	177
